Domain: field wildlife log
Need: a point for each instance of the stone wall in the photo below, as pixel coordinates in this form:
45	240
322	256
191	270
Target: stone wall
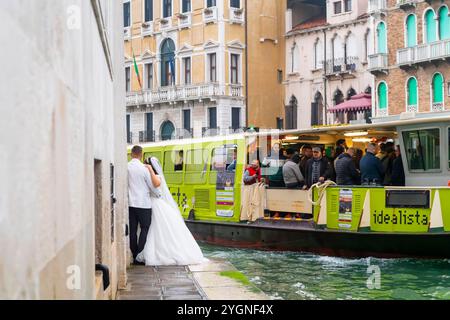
61	108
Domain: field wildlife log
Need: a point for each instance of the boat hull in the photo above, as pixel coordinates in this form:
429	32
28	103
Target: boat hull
303	237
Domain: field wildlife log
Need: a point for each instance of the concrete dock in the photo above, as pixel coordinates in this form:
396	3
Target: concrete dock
213	280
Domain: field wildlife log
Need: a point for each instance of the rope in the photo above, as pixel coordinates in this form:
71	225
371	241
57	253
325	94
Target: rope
321	187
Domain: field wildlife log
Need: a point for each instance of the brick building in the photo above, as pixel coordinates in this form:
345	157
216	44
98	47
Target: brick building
412	56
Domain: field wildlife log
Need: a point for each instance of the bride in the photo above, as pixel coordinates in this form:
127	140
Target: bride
169	241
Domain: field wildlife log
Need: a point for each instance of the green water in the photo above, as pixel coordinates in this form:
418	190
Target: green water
302	276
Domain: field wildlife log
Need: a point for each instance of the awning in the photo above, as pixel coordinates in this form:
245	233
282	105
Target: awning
359	102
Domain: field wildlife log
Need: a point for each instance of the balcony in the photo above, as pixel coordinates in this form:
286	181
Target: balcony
424	53
341	66
165	24
147	136
184	133
182	94
210	15
377	6
413	108
437	106
147	28
127	33
184	20
237	15
406	4
378	63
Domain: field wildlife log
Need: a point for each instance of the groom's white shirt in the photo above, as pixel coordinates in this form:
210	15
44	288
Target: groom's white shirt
139	185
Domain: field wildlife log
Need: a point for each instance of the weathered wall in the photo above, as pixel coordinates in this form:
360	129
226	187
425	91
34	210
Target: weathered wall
60	108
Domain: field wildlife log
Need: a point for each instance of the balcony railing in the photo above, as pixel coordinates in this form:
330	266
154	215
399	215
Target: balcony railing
437	106
236	15
184	20
405	4
127	33
165	23
147	28
376	6
209	132
378	62
210	15
341	65
146	136
182	93
412	108
424	53
184	133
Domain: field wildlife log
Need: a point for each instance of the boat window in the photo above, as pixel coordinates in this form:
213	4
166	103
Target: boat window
173	161
222	158
422	149
196	160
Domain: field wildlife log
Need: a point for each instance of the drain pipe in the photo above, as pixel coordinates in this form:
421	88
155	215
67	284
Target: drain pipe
325	75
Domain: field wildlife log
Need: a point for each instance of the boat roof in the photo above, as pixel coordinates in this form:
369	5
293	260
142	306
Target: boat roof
381	124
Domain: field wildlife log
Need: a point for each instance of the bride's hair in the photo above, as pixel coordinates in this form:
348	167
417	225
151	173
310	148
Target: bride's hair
148	161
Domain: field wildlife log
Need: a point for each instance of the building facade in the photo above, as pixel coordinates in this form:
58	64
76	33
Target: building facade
411	60
193	66
327	49
63	192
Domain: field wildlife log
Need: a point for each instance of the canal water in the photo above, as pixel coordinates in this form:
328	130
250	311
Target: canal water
303	276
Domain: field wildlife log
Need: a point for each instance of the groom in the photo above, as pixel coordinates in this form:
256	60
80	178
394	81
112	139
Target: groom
140	184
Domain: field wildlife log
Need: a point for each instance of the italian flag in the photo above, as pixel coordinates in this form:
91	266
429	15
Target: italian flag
136	69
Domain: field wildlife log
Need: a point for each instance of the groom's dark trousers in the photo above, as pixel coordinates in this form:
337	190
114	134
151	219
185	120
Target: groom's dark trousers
143	218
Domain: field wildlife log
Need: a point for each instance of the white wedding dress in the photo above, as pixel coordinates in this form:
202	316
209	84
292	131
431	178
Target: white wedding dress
169	241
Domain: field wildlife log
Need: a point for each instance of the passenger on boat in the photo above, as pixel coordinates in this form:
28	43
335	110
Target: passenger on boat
318	169
232	166
275	161
346	172
179	162
387	158
398	173
292	176
305	154
371	168
252	174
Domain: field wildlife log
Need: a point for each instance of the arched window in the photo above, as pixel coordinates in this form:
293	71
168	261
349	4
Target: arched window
411	31
350	93
317	109
444	23
318	55
437	88
295	60
381	38
167	62
412	97
291	113
338	98
382	96
430	26
167	130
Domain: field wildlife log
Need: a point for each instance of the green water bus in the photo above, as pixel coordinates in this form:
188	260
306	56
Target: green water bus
350	221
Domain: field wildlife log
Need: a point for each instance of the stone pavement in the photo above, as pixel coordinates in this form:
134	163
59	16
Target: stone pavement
213	280
161	283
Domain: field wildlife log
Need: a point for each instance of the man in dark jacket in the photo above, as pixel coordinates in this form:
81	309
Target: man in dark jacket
346	173
398	173
318	169
371	168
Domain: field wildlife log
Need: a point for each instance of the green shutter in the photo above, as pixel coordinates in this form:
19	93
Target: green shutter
412	92
444	24
438	82
382	96
411	31
430	26
381	38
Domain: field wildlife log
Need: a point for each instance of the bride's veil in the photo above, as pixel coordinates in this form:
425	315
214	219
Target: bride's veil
165	192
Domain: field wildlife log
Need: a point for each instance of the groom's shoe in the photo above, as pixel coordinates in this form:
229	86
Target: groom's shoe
137	263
